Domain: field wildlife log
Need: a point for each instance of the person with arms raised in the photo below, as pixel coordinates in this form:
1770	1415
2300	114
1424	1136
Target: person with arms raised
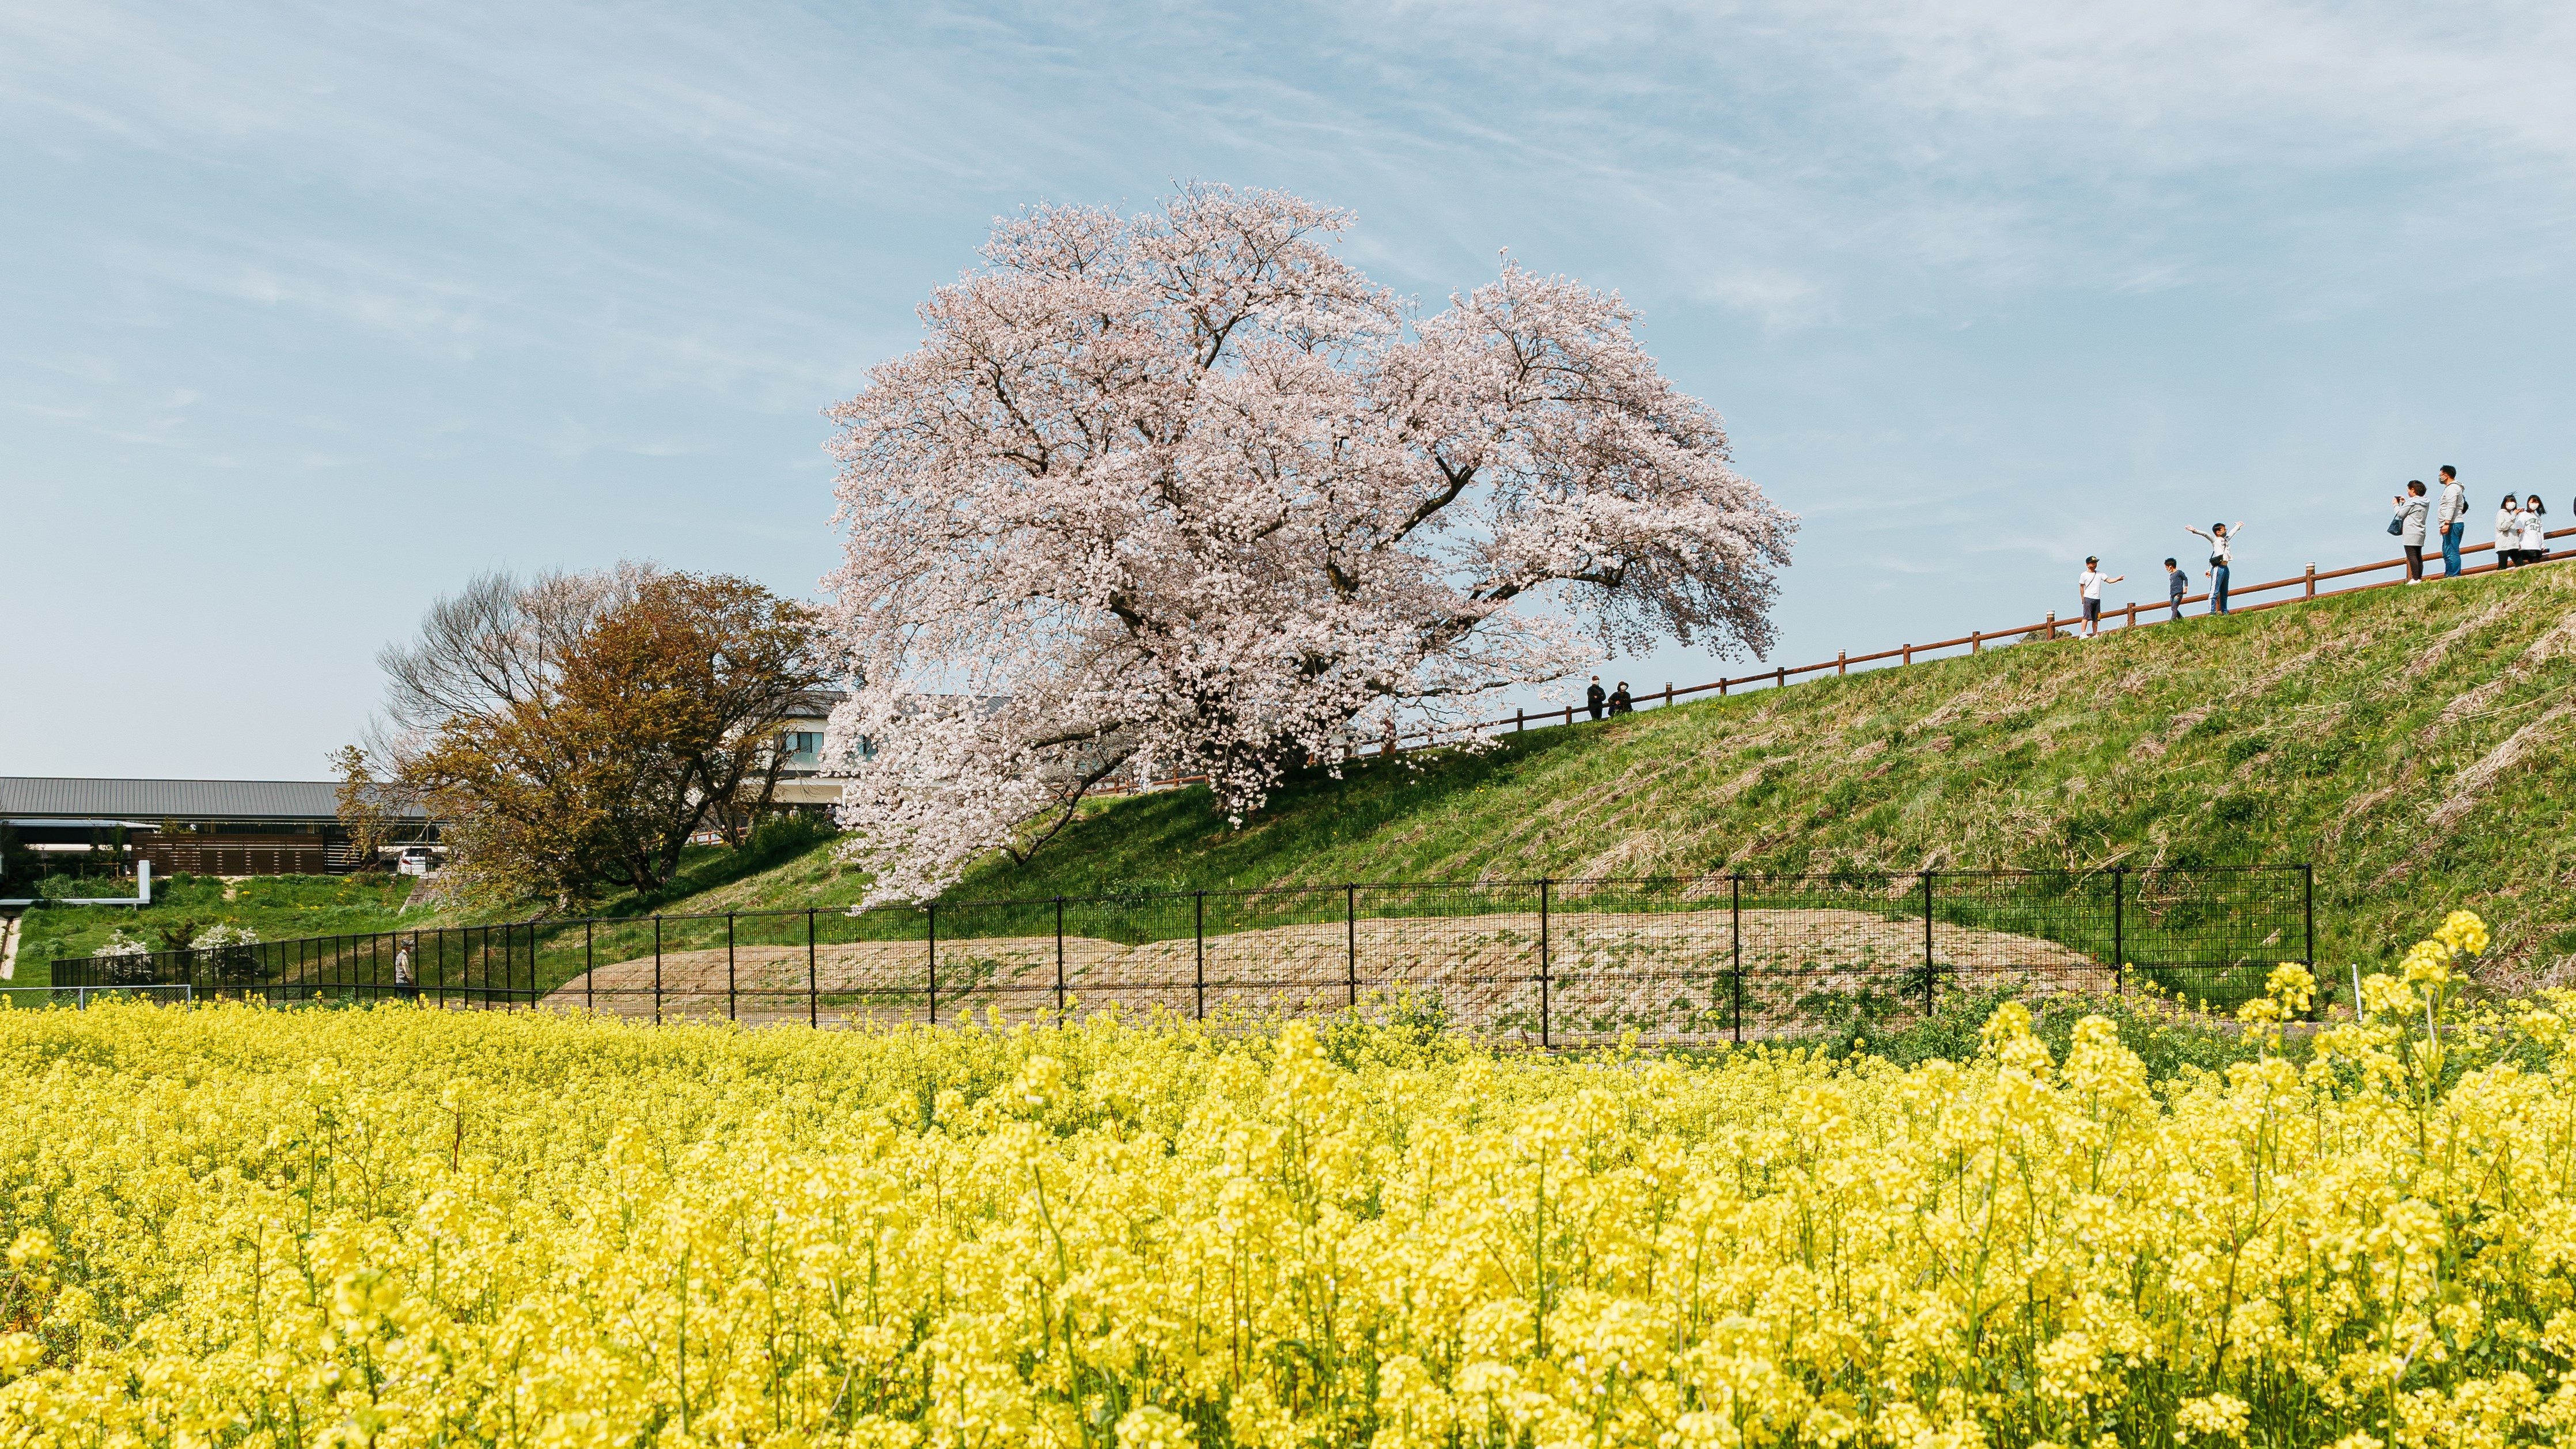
2221	539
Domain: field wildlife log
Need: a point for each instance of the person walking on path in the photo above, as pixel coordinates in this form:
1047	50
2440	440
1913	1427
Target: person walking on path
403	986
2508	545
2452	518
2177	584
2535	530
1620	701
2221	539
1593	697
2088	587
2409	518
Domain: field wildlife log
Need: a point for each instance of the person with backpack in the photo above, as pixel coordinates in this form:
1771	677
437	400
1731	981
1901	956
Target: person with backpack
2407	522
2508	544
2452	518
2221	539
2088	587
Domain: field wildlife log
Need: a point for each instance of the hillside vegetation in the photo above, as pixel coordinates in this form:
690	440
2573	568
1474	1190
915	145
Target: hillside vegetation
2410	742
185	906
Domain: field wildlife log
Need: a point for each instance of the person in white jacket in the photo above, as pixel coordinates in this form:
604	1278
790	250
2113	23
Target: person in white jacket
2535	530
2451	520
2508	545
2221	539
2411	509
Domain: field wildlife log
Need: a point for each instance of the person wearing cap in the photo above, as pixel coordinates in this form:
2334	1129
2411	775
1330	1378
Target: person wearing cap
2089	588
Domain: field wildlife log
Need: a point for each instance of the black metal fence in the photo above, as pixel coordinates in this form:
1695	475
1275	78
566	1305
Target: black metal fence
1556	962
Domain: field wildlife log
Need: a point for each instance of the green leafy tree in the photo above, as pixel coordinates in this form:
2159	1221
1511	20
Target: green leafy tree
574	731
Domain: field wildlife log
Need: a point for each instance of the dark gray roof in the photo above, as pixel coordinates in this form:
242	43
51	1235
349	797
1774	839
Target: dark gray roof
23	795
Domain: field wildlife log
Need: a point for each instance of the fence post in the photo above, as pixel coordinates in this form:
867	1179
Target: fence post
812	999
1927	944
1351	933
2312	581
1909	653
1520	720
2308	896
657	970
1841	662
1976	641
2133	615
1542	963
933	935
1735	945
731	1014
1721	686
1668	694
1569	714
1059	960
589	983
2119	932
1198	934
1780	677
2052	624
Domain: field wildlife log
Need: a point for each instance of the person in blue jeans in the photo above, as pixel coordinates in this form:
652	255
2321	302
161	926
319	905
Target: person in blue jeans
2452	516
2221	539
2177	584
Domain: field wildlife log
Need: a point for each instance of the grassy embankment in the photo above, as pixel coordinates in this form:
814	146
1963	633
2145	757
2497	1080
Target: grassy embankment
183	907
2409	742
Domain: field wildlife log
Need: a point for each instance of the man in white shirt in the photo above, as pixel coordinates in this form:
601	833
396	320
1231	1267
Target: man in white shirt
2089	587
2453	517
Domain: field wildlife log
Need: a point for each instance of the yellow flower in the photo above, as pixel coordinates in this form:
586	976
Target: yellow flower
396	1228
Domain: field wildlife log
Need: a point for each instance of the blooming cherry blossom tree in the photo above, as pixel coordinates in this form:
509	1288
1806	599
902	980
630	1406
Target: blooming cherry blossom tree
1186	488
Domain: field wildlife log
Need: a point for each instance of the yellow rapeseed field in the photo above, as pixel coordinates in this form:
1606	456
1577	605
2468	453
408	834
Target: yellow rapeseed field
399	1227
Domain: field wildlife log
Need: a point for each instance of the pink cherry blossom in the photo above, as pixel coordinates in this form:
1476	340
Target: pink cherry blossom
1187	491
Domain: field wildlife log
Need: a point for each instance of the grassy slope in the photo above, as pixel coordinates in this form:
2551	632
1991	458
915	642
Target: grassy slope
275	906
2375	735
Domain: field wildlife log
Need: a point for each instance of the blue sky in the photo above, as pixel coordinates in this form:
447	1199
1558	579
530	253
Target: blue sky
308	313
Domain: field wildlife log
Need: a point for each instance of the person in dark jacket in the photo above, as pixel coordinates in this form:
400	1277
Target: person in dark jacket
1593	697
1620	703
2177	584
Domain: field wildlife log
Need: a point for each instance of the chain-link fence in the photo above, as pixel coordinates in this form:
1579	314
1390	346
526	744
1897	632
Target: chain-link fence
1681	959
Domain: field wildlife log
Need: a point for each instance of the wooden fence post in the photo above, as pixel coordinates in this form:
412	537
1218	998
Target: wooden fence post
1842	661
1976	641
2312	581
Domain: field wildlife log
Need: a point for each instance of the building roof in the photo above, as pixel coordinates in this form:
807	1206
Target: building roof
26	795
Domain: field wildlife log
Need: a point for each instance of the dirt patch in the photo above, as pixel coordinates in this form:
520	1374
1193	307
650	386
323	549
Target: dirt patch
1674	974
